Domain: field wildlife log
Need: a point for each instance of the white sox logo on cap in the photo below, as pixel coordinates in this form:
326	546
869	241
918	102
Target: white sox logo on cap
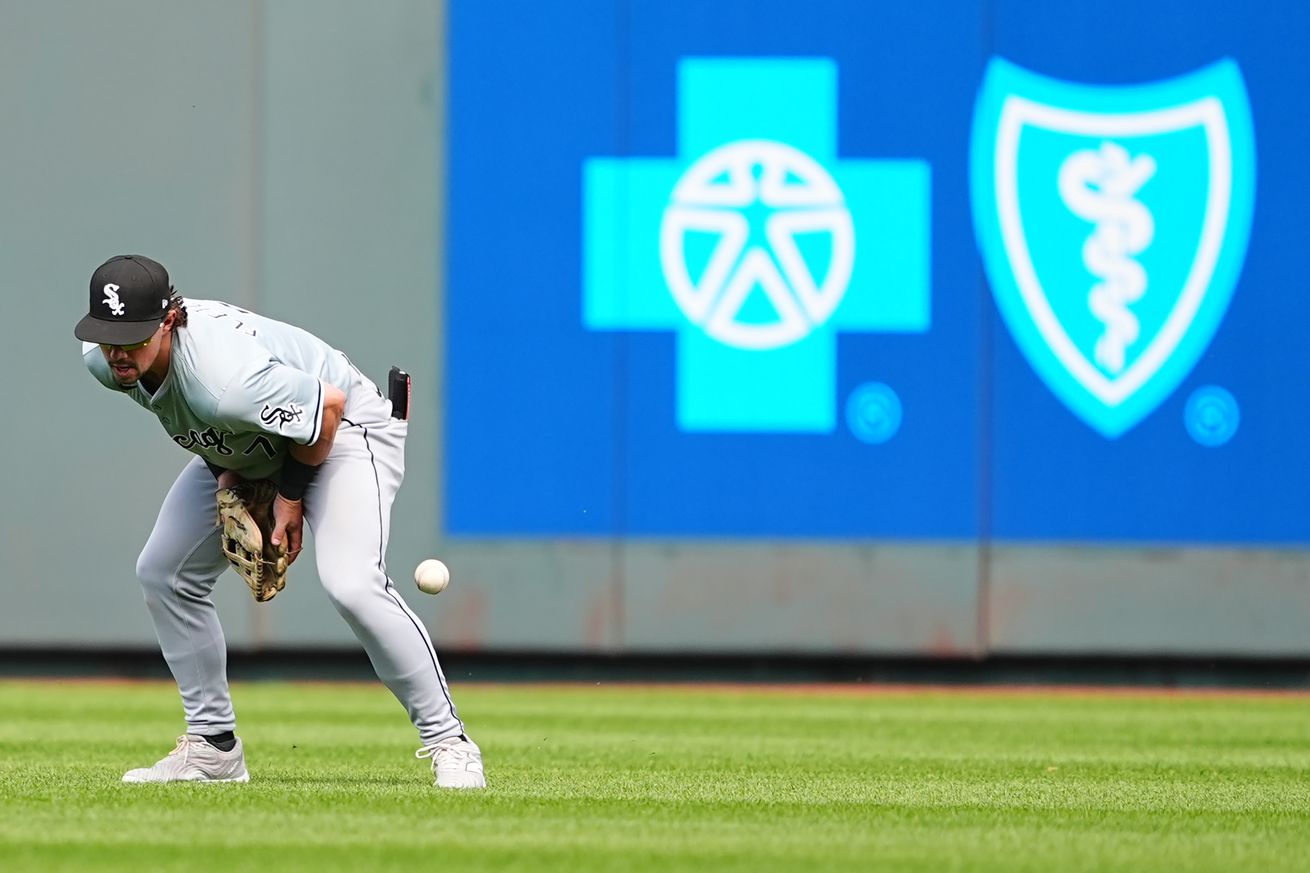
111	300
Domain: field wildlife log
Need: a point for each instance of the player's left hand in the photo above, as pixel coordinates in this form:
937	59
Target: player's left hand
288	518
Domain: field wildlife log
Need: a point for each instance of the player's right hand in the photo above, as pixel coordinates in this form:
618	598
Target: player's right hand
288	518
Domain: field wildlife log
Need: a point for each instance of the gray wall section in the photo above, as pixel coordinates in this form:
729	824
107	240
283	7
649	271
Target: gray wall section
349	232
1081	601
127	128
282	155
287	156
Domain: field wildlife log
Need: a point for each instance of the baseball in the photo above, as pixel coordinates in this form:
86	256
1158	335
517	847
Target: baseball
432	576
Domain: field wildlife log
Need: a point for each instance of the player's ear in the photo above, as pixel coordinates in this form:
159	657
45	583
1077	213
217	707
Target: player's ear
169	319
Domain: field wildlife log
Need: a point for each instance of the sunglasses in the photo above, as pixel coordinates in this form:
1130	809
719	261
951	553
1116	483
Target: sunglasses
129	348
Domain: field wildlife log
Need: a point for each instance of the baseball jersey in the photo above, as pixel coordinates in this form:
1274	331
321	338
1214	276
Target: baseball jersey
241	387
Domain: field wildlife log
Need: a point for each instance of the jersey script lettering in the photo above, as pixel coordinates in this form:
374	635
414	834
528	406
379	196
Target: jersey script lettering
210	438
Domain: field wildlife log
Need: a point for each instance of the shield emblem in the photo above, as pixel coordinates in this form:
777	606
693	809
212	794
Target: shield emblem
1113	222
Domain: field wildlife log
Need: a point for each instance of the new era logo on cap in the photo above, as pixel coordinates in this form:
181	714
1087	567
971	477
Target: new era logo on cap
129	299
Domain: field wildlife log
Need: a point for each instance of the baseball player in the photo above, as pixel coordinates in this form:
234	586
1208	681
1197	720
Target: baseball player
257	399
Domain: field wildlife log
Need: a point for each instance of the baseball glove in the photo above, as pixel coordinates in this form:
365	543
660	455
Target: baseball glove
245	518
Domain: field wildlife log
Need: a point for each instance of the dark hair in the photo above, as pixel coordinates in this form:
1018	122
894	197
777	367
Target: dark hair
177	306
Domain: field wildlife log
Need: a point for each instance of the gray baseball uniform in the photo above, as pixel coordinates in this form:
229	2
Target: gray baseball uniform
240	388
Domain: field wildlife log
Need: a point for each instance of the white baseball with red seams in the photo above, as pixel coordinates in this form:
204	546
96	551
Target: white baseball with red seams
432	576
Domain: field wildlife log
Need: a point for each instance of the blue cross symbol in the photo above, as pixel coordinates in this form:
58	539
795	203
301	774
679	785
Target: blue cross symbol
757	245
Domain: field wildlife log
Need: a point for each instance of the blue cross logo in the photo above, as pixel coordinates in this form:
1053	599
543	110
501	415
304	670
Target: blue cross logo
757	245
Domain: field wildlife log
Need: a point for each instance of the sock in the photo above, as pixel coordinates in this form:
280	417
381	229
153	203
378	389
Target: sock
224	742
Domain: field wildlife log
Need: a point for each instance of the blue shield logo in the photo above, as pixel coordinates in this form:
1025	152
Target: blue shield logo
1113	222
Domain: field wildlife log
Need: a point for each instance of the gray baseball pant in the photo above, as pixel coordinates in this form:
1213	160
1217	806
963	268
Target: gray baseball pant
348	511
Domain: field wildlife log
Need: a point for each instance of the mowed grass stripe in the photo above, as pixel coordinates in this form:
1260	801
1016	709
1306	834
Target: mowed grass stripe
614	777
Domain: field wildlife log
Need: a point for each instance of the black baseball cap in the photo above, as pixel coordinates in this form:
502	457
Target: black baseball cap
129	298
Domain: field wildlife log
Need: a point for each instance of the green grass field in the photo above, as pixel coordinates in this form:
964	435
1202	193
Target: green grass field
621	777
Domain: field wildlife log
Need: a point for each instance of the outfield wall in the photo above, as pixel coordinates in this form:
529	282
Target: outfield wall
517	202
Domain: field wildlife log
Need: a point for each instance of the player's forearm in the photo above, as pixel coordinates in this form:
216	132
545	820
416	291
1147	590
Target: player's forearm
334	405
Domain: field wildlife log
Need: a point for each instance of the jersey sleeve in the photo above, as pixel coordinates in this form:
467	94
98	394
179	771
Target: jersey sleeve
272	397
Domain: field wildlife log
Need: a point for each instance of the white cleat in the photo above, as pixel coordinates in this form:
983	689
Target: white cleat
194	760
456	763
